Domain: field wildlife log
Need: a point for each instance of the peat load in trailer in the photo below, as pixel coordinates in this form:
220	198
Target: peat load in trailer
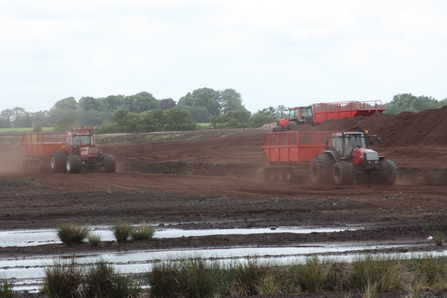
325	157
320	112
69	151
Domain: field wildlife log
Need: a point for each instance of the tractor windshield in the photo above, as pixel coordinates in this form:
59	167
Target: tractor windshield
82	140
354	141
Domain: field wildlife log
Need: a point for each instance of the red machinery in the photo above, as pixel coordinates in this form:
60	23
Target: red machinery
65	151
320	112
326	157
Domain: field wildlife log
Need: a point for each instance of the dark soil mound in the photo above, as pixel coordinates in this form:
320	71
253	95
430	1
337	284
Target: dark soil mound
427	128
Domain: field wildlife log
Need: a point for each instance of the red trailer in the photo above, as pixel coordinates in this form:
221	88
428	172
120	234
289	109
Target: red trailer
65	151
325	157
320	112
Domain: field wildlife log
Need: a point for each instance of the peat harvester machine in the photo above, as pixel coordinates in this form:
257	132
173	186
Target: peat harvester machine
325	157
69	151
320	112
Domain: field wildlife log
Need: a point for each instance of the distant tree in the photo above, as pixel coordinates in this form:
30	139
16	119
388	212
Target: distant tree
37	128
199	114
230	100
64	124
40	118
233	119
153	120
134	122
88	103
120	117
21	118
203	97
6	118
111	103
260	118
141	102
408	102
281	112
178	119
67	103
167	103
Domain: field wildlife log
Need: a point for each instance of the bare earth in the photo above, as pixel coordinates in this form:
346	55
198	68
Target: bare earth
213	179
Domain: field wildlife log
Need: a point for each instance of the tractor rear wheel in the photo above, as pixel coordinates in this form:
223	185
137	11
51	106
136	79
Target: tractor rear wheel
57	161
74	164
108	164
320	169
388	172
278	129
344	173
291	125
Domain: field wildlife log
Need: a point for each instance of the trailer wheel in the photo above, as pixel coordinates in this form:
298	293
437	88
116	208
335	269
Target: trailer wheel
278	128
108	164
291	125
344	173
57	161
288	175
388	172
269	175
320	169
74	164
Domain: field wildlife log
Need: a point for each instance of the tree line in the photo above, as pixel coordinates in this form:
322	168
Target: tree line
143	112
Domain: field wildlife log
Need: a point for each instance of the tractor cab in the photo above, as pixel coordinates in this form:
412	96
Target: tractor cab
80	141
354	146
303	113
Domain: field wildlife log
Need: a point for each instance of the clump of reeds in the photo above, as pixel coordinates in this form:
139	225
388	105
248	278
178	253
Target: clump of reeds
71	233
94	240
96	280
142	232
6	289
63	280
439	238
121	231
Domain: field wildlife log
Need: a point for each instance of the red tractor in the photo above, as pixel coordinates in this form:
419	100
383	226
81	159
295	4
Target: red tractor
69	151
325	157
320	112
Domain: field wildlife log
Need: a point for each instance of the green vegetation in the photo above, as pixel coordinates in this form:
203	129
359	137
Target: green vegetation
439	238
71	233
6	289
143	232
94	240
96	280
24	129
368	275
121	231
410	103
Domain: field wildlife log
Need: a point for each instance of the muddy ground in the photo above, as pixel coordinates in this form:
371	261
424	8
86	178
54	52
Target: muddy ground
213	179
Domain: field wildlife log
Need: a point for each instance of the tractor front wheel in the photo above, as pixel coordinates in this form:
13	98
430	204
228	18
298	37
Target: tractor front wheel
278	129
388	172
344	173
57	161
291	125
74	164
108	164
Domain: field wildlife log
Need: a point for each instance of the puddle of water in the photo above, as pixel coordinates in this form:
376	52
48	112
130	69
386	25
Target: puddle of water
48	236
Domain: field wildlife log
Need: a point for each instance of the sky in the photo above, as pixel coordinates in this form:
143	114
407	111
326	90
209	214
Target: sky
273	53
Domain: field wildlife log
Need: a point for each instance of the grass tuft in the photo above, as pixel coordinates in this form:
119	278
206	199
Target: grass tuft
6	289
143	232
71	233
63	280
94	240
122	231
439	238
